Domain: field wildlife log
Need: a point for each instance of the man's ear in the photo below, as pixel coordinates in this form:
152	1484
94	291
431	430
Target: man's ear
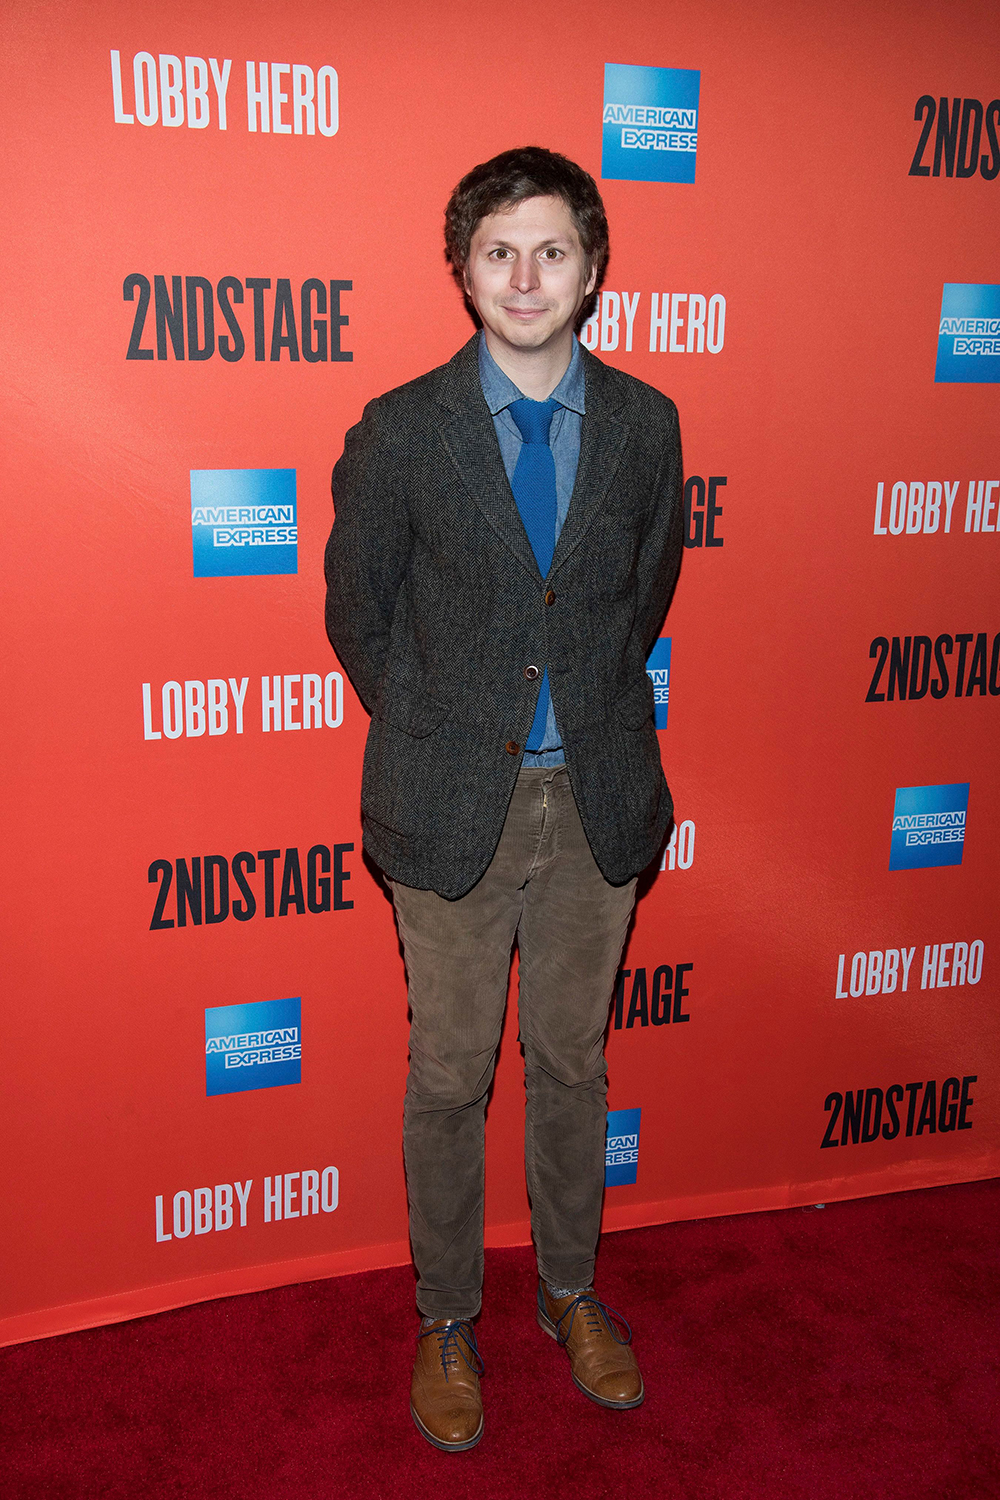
591	284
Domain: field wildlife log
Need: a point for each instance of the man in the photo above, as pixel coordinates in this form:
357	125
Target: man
507	534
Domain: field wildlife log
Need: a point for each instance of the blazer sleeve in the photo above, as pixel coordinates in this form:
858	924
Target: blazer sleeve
662	542
366	555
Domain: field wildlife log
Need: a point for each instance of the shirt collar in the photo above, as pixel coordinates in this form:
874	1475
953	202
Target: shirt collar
499	390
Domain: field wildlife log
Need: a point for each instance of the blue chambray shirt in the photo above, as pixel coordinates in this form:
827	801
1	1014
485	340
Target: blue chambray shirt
564	440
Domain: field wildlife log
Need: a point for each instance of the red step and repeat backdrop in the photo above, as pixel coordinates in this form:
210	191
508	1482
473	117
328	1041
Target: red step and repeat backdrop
228	237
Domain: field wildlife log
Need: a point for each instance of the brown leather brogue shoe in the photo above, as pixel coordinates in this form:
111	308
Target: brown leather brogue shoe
597	1342
444	1395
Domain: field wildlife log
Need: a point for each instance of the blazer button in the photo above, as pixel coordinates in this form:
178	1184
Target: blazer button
512	747
550	597
531	673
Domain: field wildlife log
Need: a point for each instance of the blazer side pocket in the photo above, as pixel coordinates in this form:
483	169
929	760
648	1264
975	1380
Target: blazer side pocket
410	709
634	707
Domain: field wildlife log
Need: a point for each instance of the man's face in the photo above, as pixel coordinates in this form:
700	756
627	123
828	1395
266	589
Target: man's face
527	274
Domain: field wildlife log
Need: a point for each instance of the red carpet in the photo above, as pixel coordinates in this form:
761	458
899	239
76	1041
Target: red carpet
833	1354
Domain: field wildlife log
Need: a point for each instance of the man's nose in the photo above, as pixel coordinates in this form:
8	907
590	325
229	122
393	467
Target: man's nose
524	276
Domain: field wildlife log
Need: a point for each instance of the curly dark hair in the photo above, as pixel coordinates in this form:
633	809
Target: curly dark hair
510	178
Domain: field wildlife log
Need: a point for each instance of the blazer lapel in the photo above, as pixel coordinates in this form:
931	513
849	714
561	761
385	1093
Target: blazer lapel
602	445
471	443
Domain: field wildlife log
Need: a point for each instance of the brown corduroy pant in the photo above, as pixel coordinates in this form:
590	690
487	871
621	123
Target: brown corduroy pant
543	888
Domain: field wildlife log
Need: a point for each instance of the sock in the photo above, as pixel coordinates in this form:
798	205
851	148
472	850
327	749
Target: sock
558	1291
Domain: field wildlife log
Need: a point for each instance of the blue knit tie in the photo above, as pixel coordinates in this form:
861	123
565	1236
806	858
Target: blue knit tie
534	486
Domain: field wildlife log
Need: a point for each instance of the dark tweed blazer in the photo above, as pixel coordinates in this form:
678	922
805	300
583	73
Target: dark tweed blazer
435	606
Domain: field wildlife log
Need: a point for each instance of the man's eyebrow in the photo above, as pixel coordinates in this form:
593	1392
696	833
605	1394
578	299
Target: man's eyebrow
556	239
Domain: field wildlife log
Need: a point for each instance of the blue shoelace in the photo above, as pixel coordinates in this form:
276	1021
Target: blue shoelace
451	1337
594	1313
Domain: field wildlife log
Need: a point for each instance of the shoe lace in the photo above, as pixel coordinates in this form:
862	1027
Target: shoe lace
595	1314
456	1339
